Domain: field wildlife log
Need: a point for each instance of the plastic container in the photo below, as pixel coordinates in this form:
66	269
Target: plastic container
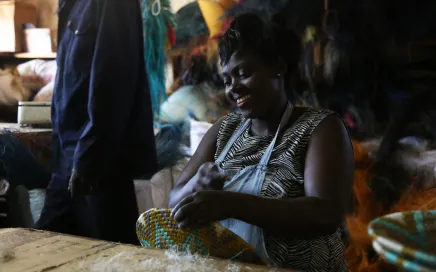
34	113
38	40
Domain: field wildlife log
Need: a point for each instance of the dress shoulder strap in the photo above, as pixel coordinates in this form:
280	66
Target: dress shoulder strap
229	125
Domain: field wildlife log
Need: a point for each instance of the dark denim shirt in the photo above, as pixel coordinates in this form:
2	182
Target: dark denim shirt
101	114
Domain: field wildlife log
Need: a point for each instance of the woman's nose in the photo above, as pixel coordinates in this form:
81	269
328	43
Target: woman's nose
234	88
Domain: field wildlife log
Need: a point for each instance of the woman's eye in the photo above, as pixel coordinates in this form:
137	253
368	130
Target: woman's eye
243	74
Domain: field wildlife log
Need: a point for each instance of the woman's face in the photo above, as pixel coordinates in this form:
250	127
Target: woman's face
251	84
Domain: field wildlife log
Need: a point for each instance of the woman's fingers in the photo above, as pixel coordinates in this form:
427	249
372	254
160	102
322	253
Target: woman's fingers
186	212
206	168
190	223
182	203
214	168
217	180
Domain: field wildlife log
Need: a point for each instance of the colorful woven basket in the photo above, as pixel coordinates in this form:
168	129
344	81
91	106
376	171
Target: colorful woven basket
407	240
156	229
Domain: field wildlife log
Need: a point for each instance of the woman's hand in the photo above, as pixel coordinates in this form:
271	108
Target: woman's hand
209	178
201	208
192	176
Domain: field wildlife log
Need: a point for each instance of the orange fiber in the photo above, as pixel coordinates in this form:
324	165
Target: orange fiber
360	154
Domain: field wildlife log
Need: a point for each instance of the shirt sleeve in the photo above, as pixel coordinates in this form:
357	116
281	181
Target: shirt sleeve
115	79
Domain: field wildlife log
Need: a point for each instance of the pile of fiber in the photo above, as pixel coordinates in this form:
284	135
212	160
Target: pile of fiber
172	262
12	91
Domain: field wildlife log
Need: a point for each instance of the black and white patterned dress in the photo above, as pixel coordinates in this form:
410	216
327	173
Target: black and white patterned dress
284	179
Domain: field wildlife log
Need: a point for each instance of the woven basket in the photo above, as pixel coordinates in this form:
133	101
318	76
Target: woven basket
156	229
407	240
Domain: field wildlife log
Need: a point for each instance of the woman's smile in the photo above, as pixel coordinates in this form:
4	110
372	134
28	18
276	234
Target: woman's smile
243	101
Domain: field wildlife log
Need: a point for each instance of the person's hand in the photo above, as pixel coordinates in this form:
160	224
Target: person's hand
201	208
209	178
80	185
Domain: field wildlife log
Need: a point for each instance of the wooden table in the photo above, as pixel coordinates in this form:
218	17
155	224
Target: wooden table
24	250
38	140
18	129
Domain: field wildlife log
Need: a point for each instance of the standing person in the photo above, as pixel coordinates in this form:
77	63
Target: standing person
278	176
102	121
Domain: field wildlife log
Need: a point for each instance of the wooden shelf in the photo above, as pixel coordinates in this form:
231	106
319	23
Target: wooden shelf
28	55
10	60
35	56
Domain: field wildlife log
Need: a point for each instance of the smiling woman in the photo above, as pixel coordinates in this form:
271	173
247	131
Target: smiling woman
278	176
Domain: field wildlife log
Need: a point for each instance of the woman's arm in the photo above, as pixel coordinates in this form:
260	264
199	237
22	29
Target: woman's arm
204	153
328	179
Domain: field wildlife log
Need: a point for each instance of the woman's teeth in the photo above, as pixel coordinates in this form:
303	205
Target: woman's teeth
242	99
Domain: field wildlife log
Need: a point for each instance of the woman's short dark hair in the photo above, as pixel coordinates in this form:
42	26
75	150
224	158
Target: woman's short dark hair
271	41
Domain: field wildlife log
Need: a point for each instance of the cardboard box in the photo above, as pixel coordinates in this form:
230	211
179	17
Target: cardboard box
13	15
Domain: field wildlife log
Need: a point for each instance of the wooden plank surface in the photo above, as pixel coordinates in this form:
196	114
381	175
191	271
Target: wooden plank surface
24	250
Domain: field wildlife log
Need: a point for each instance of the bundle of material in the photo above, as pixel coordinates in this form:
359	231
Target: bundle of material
189	24
39	76
159	36
12	89
169	142
404	182
212	12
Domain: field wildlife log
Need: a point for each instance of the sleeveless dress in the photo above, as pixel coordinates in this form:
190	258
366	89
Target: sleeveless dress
284	179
